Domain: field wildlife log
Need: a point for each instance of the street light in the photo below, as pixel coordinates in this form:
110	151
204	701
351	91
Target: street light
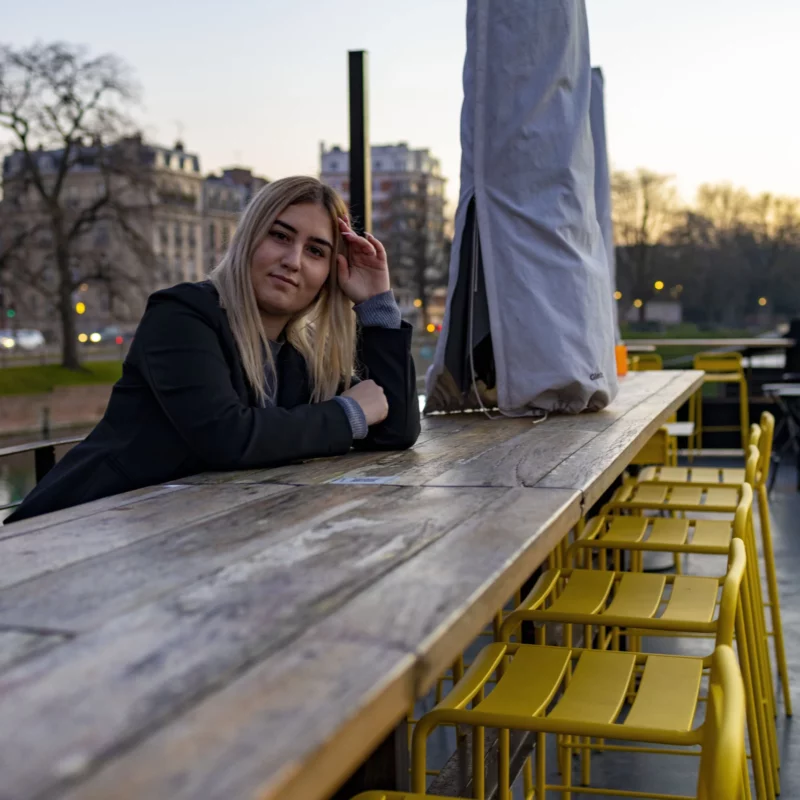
762	301
618	295
418	303
637	303
83	338
80	308
658	285
431	328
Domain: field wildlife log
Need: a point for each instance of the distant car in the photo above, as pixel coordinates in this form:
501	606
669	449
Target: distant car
111	334
29	339
7	340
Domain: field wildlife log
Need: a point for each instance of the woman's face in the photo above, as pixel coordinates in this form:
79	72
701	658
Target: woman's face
291	265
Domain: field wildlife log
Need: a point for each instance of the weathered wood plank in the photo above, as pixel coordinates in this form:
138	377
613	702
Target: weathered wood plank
304	473
416	467
438	602
593	468
55	547
16	645
520	461
323	705
151	662
59	518
467	449
214	746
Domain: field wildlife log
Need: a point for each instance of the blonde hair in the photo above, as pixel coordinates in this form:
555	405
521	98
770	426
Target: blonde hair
325	332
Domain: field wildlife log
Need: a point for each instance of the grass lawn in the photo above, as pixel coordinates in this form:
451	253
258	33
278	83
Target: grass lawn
43	378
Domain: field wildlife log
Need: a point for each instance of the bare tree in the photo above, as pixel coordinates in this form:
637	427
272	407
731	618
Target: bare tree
64	115
644	207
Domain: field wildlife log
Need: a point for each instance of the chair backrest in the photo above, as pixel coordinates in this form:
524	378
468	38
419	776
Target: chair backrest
732	584
765	448
719	362
648	361
722	760
751	465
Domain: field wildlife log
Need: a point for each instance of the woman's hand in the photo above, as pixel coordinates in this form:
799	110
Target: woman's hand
372	400
366	272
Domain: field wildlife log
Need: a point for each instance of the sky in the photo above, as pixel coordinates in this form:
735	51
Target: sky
704	90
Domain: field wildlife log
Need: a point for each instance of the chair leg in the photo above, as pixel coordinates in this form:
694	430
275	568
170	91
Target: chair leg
528	788
504	765
478	766
754	732
774	598
541	765
746	793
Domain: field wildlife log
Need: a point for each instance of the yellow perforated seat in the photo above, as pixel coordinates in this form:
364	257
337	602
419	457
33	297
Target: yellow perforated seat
726	476
577	693
695	489
689	609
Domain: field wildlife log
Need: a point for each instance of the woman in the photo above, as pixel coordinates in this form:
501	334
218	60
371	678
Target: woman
255	367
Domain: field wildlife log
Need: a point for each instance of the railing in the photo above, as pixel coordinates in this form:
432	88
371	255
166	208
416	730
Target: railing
44	454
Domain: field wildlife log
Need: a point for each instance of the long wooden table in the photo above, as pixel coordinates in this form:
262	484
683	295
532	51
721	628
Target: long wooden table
257	634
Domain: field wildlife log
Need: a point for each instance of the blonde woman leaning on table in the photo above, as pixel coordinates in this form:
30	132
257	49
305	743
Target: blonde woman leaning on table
257	366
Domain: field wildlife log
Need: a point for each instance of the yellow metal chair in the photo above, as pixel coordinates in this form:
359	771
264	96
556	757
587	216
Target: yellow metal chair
640	534
721	737
690	480
719	368
613	602
663	711
646	362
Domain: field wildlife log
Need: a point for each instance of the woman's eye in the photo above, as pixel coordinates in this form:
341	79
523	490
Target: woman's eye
316	251
280	236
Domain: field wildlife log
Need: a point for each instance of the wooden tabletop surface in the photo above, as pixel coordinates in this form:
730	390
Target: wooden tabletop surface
774	343
257	634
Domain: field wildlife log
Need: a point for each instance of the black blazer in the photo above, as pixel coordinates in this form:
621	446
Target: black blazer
183	406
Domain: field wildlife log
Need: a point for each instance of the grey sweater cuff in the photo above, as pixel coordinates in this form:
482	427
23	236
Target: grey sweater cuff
355	416
380	311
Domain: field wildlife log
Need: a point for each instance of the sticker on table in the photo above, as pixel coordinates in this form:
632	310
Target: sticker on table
363	480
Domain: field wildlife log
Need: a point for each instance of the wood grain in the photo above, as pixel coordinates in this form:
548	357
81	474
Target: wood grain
102	690
469	449
54	548
80	512
293	728
423	612
16	645
593	468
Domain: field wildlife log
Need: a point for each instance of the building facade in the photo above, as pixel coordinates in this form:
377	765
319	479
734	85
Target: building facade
407	214
224	198
165	223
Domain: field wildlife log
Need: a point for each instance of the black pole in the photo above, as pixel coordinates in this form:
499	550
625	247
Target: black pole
360	161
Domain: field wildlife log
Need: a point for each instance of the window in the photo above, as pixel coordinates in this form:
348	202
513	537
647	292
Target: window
178	235
212	236
378	164
225	235
334	165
